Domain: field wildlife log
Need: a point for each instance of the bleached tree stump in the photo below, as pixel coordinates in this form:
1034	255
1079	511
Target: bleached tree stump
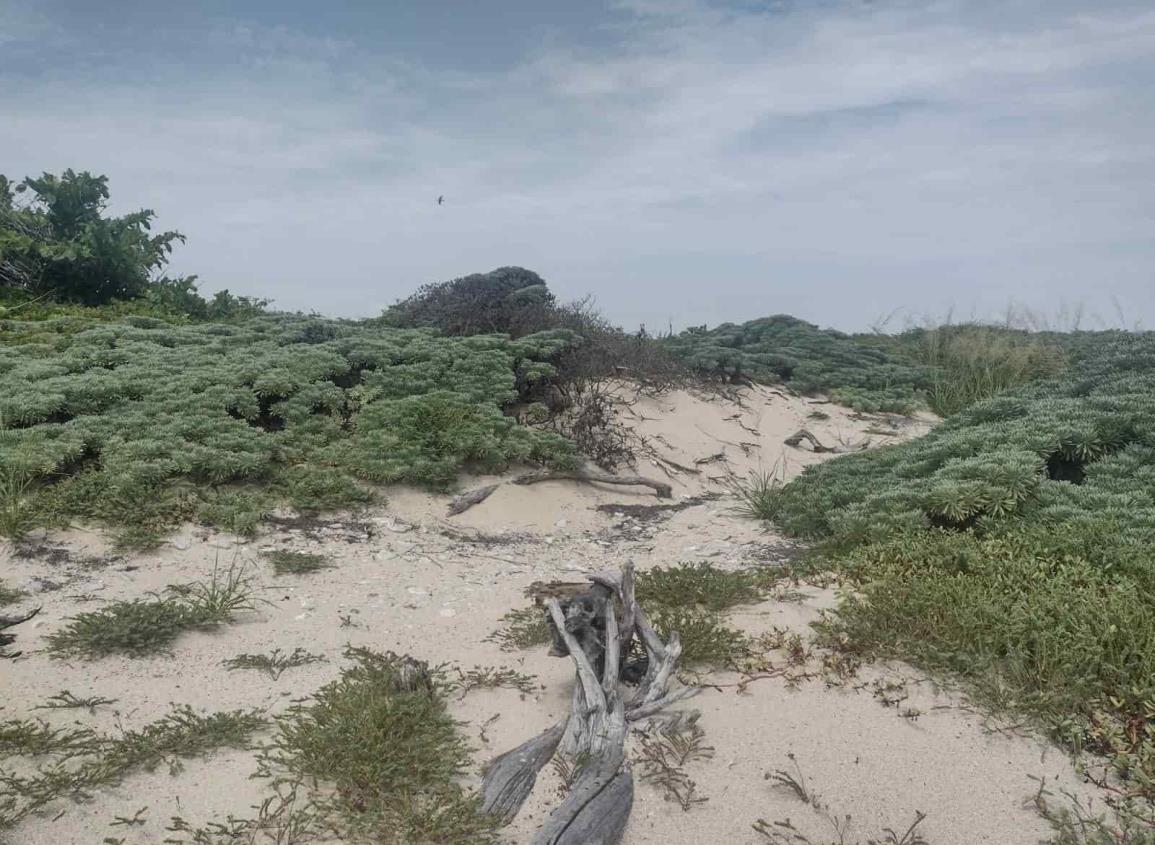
598	805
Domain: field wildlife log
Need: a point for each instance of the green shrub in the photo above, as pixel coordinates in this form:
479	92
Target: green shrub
1057	622
60	243
1079	448
508	300
782	349
142	424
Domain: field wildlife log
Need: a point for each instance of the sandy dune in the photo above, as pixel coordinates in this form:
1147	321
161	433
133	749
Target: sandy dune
412	580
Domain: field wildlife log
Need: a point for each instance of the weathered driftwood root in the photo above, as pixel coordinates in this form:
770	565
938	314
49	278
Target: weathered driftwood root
7	639
663	490
598	805
509	779
462	503
797	437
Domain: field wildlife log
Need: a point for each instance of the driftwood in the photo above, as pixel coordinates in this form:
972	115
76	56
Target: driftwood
8	639
462	503
599	802
663	490
797	437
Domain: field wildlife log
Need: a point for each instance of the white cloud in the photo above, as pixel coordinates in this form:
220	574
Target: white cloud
831	159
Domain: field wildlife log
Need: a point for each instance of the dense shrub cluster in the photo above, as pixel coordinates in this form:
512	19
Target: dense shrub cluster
143	423
1013	546
508	300
1078	448
811	360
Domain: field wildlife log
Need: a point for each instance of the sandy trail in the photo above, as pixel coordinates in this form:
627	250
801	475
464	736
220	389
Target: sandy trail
409	579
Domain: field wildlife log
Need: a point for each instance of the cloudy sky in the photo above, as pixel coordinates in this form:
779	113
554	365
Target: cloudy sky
684	161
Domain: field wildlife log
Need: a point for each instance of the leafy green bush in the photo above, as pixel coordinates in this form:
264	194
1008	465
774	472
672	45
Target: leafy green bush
142	423
782	349
146	626
60	242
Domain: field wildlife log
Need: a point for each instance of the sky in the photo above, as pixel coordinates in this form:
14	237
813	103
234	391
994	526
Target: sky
689	162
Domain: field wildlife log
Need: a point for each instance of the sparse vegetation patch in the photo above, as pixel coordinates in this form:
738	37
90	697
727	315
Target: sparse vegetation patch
150	625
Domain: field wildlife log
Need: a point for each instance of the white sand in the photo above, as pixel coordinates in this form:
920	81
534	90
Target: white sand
432	586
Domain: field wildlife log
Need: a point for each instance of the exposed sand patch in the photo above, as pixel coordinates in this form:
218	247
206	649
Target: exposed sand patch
410	579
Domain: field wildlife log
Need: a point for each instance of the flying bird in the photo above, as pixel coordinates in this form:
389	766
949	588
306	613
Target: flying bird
441	200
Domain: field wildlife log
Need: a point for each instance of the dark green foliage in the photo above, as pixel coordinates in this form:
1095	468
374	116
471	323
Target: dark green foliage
706	638
380	736
60	243
296	563
142	423
508	300
698	586
148	626
690	599
808	359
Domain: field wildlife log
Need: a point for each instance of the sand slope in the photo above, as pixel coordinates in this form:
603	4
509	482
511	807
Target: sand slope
411	579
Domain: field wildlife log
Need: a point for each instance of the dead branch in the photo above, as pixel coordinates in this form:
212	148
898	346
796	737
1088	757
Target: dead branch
797	437
462	503
8	639
663	490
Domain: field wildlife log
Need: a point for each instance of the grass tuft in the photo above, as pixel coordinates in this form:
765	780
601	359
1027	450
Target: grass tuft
970	363
759	495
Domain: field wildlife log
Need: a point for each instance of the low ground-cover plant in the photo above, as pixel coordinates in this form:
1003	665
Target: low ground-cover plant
1079	448
150	625
142	424
286	562
384	753
1055	622
274	663
9	595
76	761
1011	548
